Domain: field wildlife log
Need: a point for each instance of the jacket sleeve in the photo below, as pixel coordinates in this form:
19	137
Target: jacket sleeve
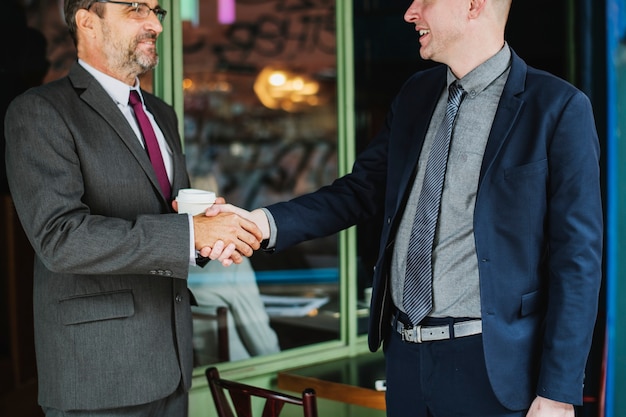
575	229
353	198
78	189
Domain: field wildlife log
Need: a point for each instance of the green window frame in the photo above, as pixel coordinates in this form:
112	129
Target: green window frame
168	78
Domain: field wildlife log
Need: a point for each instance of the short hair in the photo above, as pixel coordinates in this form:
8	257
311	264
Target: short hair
70	9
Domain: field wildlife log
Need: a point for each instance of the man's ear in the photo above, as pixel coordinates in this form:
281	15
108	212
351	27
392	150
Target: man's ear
476	8
85	23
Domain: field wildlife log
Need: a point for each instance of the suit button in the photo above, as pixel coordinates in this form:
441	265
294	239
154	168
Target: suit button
168	273
153	272
179	298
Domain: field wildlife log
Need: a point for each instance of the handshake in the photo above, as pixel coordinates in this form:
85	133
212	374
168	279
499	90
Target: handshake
222	231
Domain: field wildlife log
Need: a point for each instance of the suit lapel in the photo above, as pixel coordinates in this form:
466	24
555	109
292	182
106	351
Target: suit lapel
506	115
95	96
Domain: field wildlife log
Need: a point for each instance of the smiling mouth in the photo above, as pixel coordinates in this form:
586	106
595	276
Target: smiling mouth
147	38
423	32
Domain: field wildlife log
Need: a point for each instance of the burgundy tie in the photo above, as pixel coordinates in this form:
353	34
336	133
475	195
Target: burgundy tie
152	145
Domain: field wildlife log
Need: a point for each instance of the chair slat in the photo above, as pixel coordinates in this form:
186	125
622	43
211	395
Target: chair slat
241	396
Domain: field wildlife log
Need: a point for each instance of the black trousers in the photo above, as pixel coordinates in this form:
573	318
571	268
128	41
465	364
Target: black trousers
446	378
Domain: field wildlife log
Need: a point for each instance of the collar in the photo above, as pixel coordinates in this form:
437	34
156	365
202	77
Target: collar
486	73
118	90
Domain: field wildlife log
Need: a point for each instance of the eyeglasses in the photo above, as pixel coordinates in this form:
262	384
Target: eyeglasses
142	10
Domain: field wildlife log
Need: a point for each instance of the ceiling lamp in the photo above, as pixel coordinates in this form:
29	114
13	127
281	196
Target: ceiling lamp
279	88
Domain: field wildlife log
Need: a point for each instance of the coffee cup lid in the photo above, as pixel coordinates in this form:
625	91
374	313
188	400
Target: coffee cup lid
193	195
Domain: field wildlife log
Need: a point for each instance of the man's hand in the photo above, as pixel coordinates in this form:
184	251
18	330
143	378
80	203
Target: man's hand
227	254
226	236
239	235
257	216
543	407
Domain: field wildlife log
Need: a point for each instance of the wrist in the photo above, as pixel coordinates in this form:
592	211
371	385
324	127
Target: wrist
259	217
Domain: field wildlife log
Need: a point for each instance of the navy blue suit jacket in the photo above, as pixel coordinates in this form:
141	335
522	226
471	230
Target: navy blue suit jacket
537	225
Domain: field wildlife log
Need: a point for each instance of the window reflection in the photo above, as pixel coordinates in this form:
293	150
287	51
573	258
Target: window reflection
247	327
261	127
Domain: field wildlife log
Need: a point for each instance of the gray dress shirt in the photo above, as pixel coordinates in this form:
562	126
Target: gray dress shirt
455	269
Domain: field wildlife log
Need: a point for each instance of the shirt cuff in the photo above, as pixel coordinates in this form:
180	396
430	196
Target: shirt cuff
271	242
193	253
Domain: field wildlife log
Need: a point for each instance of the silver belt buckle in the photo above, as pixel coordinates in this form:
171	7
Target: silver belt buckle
412	334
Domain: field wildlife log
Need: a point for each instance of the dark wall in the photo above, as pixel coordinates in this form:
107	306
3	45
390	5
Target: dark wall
23	64
537	31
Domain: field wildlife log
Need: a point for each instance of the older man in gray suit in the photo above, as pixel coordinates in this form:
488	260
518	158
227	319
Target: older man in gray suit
112	307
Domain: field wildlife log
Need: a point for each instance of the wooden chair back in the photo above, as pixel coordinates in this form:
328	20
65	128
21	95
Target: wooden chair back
241	396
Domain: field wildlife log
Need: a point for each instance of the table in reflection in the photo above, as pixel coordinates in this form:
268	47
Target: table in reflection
349	380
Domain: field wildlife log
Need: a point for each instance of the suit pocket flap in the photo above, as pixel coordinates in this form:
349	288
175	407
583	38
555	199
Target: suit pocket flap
97	307
530	303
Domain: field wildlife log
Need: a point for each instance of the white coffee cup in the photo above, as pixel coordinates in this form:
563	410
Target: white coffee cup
194	201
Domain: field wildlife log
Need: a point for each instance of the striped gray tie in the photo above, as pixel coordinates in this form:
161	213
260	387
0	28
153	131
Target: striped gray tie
417	298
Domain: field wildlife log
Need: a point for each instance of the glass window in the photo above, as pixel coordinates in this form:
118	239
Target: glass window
260	127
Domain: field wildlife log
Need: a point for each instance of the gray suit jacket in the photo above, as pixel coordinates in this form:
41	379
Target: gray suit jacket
111	304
